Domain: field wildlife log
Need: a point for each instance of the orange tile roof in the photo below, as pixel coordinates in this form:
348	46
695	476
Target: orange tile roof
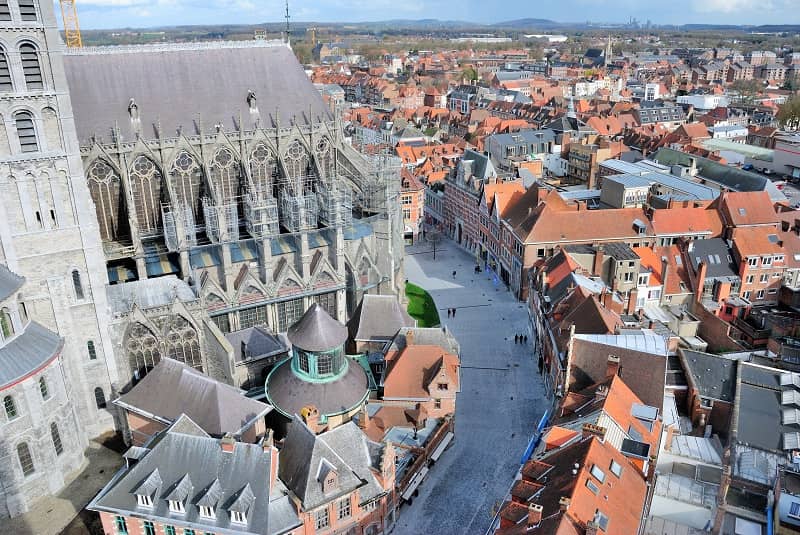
748	208
680	221
557	436
409	371
755	241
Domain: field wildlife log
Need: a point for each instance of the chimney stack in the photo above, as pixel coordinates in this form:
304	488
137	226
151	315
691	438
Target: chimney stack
563	504
227	443
599	255
269	439
363	417
670	436
701	280
593	430
310	416
612	366
664	275
534	514
633	295
592	528
410	337
608	299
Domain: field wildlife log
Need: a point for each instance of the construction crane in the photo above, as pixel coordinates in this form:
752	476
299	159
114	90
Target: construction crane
72	30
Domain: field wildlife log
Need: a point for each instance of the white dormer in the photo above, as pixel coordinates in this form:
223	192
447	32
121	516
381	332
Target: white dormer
206	511
144	500
176	506
238	517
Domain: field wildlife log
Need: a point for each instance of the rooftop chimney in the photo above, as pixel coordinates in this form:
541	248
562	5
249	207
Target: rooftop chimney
269	439
612	366
227	443
563	504
670	436
534	514
633	295
593	430
410	337
599	255
592	528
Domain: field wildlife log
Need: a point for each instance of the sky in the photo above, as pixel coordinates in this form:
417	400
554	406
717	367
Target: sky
95	14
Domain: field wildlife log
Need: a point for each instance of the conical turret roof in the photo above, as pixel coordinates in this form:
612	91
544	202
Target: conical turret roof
317	331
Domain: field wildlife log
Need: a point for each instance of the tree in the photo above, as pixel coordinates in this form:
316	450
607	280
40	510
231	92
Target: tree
747	89
469	74
789	113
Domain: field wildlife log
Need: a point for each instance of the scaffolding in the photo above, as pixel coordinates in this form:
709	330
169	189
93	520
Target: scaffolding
179	227
222	221
298	212
261	214
335	204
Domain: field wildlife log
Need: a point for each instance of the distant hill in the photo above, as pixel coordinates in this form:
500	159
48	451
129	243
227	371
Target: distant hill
529	23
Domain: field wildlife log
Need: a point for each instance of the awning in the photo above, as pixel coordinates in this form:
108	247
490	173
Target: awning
120	274
160	264
415	482
441	447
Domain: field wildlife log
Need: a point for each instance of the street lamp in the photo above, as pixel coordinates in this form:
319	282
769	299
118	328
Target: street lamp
434	237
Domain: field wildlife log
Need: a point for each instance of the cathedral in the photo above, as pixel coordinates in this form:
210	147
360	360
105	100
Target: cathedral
155	198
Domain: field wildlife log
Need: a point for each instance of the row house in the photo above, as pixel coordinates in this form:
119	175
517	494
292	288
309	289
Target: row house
412	203
495	237
462	195
771	71
740	70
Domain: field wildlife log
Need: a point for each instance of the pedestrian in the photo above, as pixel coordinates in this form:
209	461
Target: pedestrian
448	312
454	274
454	312
526	338
516	338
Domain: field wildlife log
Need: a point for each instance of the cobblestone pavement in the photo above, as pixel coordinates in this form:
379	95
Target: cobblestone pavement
500	402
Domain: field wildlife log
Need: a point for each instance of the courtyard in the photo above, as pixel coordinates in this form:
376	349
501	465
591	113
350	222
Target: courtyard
501	398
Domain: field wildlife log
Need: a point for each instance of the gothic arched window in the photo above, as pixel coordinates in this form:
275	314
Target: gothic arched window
186	178
43	390
5	322
30	66
298	165
91	350
145	181
56	436
263	169
6	84
182	343
26	132
106	190
10	407
224	171
25	459
143	349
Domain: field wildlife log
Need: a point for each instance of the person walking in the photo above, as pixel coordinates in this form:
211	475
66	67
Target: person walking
454	312
454	274
448	312
516	339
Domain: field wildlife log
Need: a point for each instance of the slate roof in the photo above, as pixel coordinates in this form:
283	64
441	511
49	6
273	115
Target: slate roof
173	388
717	256
164	82
289	393
378	317
27	353
305	459
193	461
643	371
148	293
10	282
723	175
317	331
713	375
759	418
259	343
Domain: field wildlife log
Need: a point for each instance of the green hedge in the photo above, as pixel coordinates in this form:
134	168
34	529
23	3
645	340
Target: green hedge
421	306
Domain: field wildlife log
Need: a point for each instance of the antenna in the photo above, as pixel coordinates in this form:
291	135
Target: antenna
287	21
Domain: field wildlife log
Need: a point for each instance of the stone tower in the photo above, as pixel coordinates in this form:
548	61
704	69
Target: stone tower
48	230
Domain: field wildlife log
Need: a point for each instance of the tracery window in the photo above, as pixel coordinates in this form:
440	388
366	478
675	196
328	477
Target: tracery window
146	183
30	66
6	84
26	132
182	343
10	407
186	178
298	166
100	398
224	172
263	169
289	312
324	153
328	302
105	188
143	350
43	390
77	285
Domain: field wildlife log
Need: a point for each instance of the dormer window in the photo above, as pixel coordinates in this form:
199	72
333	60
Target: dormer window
238	517
144	500
176	506
207	512
442	386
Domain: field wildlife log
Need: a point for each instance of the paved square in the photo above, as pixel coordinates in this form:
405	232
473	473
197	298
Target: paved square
500	402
